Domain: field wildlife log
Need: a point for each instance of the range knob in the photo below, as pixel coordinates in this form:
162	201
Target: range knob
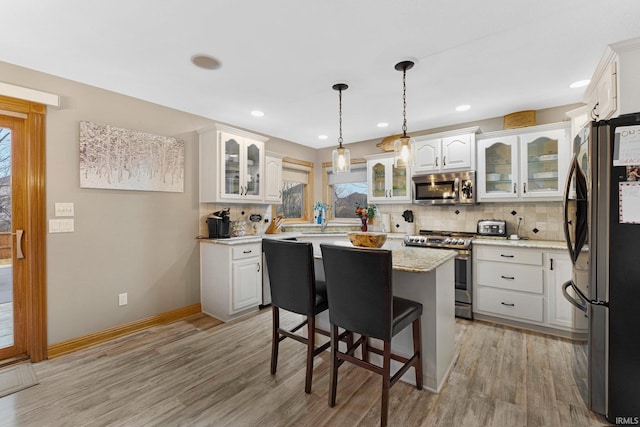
423	240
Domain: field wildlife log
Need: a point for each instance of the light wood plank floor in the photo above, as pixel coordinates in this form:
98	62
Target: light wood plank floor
196	372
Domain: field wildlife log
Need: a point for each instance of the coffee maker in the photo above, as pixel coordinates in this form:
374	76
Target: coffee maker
219	224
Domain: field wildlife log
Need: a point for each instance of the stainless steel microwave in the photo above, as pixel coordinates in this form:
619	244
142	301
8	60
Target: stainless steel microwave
445	188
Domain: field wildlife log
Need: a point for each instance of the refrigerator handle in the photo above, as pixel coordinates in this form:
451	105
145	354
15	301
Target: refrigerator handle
582	304
567	188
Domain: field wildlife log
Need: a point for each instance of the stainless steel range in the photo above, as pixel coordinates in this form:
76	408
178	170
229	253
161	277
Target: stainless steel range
461	242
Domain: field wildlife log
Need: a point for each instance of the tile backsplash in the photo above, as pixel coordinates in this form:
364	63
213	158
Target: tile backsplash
540	221
236	214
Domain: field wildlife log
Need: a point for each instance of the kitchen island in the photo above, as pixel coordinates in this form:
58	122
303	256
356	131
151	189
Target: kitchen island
426	276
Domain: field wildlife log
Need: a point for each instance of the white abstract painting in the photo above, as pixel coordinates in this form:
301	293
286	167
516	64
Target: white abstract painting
123	159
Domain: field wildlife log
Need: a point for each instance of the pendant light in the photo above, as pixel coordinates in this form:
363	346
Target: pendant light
402	147
341	159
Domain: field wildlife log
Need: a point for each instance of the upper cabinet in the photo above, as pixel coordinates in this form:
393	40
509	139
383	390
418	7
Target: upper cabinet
524	164
614	89
448	151
273	178
232	166
387	184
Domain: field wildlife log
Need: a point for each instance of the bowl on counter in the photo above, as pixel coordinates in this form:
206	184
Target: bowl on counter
493	177
367	239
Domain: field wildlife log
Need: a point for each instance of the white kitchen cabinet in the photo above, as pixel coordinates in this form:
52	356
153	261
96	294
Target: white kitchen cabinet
273	178
230	279
558	269
614	89
231	165
524	164
449	151
386	183
518	285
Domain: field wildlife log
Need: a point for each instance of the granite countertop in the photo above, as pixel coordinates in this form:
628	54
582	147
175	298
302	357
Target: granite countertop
416	260
420	260
284	235
522	243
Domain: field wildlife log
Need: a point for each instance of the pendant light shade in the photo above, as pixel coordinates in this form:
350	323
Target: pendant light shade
341	158
403	146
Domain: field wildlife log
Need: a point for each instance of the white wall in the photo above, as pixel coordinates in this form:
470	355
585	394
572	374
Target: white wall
139	242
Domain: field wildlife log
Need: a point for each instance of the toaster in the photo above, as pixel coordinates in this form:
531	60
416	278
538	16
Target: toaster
492	227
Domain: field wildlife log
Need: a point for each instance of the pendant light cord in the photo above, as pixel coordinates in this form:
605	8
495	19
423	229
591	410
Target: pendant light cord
340	115
404	102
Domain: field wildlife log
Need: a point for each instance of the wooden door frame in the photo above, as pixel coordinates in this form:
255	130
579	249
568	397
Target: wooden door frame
34	242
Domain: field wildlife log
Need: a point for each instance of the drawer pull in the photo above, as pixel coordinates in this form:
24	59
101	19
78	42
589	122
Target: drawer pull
508	304
247	251
506	256
508	277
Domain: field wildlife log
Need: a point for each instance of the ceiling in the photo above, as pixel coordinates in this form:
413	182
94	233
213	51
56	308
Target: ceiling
283	56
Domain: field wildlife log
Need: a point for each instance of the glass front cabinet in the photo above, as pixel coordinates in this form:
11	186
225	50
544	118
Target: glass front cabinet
242	161
524	164
232	166
387	183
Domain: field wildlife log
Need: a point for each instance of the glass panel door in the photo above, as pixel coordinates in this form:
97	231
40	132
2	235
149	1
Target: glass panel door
231	173
499	168
542	165
378	180
399	177
253	170
6	250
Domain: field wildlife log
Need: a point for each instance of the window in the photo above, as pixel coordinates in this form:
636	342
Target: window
346	190
296	199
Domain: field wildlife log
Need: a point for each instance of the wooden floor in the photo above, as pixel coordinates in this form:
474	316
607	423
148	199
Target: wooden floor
196	372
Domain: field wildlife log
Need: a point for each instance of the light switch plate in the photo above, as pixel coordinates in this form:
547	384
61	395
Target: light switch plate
64	209
61	225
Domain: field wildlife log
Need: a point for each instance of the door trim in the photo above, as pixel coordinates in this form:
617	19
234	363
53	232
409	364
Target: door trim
34	244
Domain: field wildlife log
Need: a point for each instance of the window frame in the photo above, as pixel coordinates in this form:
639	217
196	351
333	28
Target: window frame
307	209
327	193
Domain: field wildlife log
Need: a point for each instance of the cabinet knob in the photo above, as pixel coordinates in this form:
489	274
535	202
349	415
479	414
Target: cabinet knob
524	187
247	252
551	264
595	115
508	277
258	264
444	160
506	256
515	187
436	162
508	304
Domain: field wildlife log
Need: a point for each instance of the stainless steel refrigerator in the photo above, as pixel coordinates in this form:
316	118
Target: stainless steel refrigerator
602	228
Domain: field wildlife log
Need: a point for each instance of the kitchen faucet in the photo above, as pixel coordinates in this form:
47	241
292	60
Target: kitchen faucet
323	226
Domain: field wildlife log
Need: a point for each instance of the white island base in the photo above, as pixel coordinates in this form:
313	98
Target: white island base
435	290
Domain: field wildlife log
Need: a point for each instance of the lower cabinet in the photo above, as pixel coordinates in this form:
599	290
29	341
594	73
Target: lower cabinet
524	285
230	279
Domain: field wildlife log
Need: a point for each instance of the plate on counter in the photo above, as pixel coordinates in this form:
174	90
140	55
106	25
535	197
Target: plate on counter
493	177
548	157
543	175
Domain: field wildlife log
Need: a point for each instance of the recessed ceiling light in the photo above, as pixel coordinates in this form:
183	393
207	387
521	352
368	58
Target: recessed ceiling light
383	124
205	61
463	107
322	137
579	83
257	113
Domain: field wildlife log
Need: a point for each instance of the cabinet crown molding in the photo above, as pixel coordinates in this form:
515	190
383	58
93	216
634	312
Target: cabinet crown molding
233	131
446	134
525	130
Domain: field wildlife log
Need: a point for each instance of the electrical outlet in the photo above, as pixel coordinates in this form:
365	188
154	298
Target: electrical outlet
122	299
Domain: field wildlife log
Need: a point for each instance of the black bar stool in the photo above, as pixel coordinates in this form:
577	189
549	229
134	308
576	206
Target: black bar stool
294	288
360	294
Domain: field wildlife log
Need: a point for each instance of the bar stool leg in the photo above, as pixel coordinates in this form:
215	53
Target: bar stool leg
333	379
275	340
386	383
417	349
365	349
311	335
